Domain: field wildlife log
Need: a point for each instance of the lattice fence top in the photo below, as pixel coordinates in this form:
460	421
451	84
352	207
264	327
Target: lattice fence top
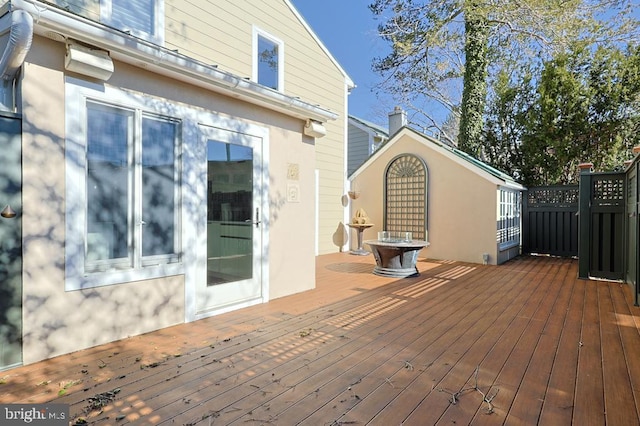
608	190
561	196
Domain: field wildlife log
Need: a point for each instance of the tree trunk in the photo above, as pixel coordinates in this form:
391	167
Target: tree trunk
474	91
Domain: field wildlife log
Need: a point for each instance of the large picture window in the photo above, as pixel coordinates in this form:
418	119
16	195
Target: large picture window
123	191
268	60
132	188
142	18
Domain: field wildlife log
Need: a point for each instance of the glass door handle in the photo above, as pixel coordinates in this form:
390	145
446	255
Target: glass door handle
257	221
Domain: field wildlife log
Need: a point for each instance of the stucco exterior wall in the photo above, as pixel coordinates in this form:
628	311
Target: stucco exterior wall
58	321
461	204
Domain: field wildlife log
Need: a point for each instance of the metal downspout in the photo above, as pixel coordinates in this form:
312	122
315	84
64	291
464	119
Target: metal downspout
15	52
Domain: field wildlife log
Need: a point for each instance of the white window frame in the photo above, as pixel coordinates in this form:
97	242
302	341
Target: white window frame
257	32
106	17
78	93
509	228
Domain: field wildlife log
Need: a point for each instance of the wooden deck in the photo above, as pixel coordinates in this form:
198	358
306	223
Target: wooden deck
524	343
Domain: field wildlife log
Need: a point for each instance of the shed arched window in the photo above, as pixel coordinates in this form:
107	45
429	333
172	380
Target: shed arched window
405	196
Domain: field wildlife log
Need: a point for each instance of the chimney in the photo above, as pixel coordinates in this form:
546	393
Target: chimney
397	120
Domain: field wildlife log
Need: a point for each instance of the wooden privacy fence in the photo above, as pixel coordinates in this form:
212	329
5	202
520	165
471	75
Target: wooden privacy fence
598	221
550	221
585	221
602	225
633	229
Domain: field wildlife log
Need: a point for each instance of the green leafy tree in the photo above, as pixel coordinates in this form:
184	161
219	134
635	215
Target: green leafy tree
614	114
445	54
555	122
583	105
506	120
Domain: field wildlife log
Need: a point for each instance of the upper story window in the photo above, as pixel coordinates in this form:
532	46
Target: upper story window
268	60
142	18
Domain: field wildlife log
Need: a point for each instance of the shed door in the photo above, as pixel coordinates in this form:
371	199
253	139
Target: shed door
10	243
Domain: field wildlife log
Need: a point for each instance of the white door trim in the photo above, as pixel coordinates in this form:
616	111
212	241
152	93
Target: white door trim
195	224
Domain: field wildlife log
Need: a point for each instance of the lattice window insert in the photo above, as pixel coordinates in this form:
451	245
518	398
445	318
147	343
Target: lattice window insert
608	191
406	196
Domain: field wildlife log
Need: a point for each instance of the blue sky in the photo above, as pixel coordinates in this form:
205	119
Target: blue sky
348	29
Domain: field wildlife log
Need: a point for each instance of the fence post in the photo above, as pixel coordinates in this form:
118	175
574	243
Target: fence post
633	255
584	219
524	218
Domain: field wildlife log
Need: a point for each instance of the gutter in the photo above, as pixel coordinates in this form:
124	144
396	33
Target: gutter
20	27
56	24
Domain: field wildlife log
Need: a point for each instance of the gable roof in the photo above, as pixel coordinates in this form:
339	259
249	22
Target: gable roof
460	157
369	127
304	23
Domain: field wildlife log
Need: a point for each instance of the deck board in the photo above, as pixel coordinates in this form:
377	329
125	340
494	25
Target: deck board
529	399
513	372
442	378
502	370
557	407
618	393
589	393
362	349
627	325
